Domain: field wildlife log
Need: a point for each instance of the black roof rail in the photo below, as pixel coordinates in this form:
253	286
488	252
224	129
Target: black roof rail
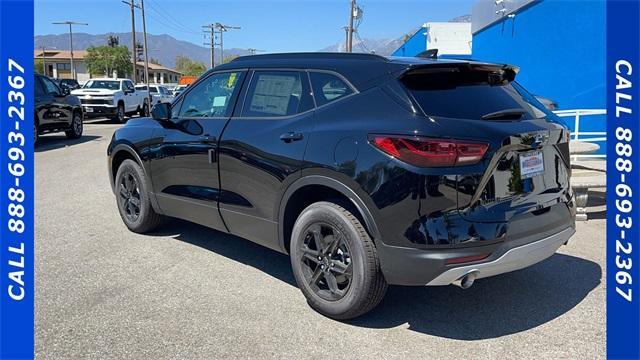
428	54
312	55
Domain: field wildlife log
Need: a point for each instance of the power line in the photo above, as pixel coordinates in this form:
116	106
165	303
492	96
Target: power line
158	9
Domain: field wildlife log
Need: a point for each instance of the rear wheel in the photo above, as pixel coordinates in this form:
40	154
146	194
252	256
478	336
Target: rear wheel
335	263
133	200
120	115
144	111
76	127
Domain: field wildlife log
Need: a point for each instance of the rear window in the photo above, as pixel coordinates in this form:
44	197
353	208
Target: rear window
468	94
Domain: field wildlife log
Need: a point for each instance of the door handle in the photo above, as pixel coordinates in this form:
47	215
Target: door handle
291	136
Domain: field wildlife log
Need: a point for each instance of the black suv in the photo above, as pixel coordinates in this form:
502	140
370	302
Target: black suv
367	170
56	110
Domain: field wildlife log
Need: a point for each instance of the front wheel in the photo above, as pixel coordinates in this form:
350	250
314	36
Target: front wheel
75	132
133	200
335	263
120	115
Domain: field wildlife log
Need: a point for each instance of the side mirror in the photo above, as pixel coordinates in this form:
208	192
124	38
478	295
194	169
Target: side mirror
161	112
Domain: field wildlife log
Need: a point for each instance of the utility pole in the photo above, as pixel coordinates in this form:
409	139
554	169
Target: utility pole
211	29
44	61
253	51
350	28
221	30
134	49
346	41
71	23
146	53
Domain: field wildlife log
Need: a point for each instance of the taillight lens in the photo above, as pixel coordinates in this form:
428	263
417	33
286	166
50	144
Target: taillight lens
424	152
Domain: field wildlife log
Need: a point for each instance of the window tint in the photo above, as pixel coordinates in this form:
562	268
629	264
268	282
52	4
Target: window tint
328	87
129	85
211	97
466	95
39	88
277	93
49	87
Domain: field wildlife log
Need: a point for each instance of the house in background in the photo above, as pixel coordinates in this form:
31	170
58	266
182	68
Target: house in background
560	49
57	64
452	39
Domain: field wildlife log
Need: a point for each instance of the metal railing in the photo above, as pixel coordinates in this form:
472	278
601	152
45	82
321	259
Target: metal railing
588	136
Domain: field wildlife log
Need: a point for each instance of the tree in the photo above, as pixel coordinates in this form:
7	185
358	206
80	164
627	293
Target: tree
38	66
229	58
189	67
155	61
107	59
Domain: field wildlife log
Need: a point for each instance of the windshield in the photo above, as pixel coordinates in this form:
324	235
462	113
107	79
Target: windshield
153	89
470	95
102	84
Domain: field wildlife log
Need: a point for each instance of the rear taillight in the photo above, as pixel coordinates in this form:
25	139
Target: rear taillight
424	152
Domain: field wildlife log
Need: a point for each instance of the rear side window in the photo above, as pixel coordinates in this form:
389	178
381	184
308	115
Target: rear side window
277	93
328	87
466	94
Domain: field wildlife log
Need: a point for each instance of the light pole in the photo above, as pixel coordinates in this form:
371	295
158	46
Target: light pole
71	23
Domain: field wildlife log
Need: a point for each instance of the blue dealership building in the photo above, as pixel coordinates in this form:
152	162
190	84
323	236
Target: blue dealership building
560	49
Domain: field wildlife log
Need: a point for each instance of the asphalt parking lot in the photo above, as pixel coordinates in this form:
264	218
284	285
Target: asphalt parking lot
193	293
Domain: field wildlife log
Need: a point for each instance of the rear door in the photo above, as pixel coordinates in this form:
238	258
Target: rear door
185	164
526	169
262	151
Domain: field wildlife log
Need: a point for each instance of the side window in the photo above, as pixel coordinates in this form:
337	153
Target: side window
175	108
49	87
39	90
212	96
277	93
328	87
129	85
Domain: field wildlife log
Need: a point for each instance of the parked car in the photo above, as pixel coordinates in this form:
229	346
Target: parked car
70	84
366	170
55	110
158	93
113	98
179	89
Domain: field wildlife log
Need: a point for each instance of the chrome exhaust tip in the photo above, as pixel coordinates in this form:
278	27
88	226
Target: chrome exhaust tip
465	281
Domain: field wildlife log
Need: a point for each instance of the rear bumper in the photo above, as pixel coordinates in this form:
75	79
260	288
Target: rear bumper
417	267
514	259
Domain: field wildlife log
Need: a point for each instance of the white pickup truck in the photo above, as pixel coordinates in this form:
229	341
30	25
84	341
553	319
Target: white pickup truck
113	98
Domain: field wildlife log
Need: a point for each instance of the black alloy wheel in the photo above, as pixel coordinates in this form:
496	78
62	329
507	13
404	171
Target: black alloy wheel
129	192
326	261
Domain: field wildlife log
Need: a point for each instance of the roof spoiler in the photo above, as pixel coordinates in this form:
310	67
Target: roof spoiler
497	73
428	54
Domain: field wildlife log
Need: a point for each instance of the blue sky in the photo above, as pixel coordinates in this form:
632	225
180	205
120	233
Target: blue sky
273	25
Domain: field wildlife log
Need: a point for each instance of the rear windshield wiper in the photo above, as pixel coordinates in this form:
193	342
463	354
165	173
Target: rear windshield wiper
506	114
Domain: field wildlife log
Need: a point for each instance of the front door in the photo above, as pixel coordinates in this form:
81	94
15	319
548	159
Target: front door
57	113
184	165
262	151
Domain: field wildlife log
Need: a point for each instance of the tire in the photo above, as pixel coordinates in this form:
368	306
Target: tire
347	249
140	218
144	111
120	114
36	134
76	127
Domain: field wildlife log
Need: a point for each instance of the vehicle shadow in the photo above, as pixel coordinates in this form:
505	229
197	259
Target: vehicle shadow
491	308
51	142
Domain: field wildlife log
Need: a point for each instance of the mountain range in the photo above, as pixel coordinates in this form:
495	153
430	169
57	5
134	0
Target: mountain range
165	48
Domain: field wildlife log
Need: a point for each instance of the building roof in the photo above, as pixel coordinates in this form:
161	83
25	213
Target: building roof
59	54
157	67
